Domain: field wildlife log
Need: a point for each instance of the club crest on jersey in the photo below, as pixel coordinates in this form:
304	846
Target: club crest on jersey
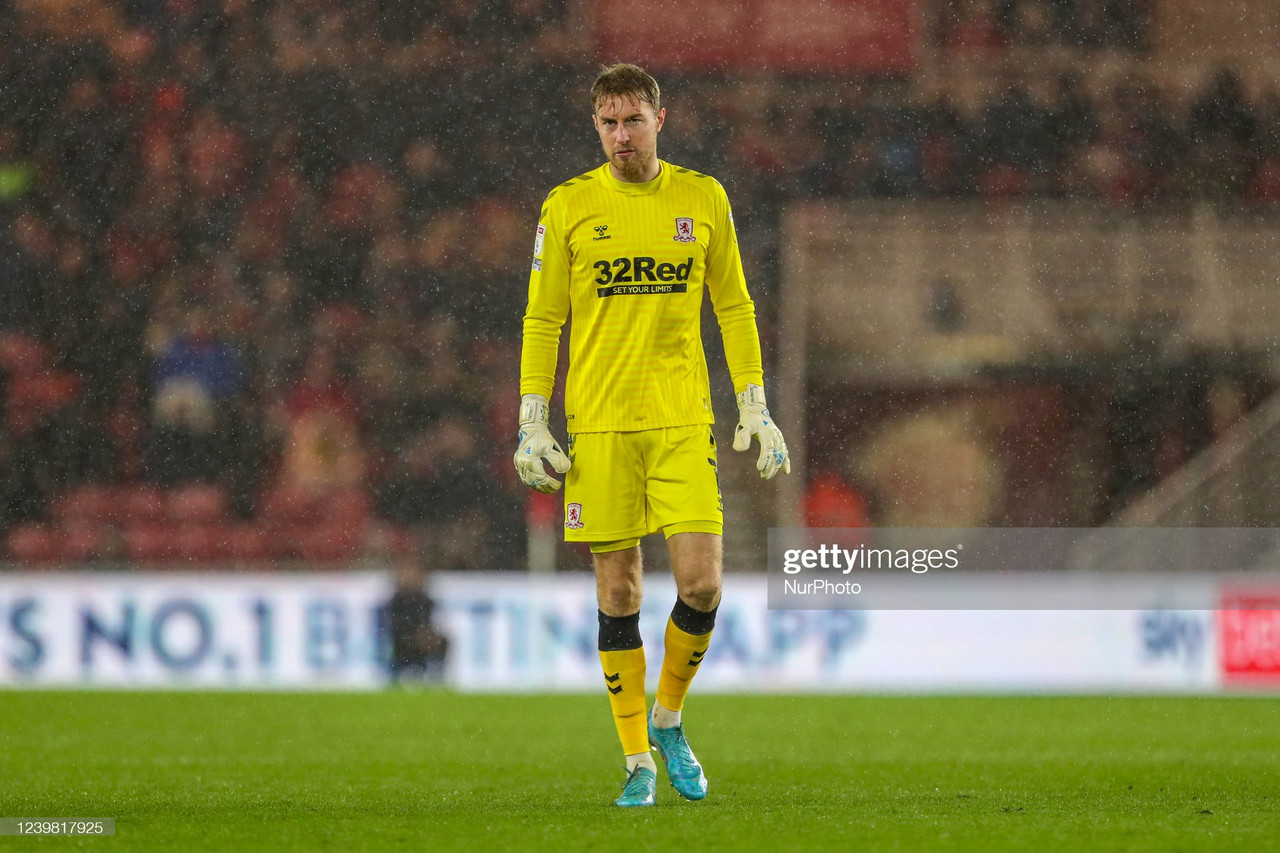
684	230
573	516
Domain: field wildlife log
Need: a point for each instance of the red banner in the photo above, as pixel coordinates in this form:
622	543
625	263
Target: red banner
848	36
1249	639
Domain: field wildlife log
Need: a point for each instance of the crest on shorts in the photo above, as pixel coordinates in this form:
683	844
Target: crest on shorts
684	230
573	516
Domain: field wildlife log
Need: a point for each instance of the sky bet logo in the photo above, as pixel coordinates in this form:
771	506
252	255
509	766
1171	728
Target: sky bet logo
629	276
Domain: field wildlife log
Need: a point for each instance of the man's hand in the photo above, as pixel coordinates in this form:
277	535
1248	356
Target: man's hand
754	419
536	445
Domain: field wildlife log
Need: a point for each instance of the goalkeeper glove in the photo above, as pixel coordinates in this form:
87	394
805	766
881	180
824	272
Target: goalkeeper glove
754	419
536	445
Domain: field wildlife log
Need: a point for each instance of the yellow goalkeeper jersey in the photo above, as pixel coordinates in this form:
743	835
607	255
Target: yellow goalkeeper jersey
629	262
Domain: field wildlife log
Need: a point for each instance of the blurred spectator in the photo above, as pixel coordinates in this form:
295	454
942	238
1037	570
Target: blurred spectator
1015	142
426	177
440	476
1221	113
1223	132
1071	124
946	149
83	145
198	363
322	447
196	377
418	649
28	258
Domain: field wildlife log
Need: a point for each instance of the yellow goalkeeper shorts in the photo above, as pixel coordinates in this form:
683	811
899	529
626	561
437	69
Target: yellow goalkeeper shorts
624	485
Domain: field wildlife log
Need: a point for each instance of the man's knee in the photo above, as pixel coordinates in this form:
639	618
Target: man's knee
619	598
701	592
696	559
619	582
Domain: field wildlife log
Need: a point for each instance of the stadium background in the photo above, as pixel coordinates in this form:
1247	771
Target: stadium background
264	263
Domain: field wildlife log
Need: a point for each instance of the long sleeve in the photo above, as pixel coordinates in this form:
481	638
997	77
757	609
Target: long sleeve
735	312
548	306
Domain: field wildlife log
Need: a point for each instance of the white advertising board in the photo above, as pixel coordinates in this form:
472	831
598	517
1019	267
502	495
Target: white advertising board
197	630
514	632
523	633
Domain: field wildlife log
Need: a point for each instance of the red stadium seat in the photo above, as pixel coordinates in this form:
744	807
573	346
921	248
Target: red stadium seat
91	504
326	544
290	505
1003	181
149	543
345	508
81	541
21	353
46	391
143	505
382	537
33	396
199	543
1266	181
196	504
248	543
34	544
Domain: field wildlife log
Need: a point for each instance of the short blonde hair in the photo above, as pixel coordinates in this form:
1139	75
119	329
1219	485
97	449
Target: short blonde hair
623	80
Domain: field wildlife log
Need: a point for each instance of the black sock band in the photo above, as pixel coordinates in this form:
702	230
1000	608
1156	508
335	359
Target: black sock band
619	633
692	621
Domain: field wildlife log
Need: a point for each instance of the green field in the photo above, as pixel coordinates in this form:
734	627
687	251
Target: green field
438	771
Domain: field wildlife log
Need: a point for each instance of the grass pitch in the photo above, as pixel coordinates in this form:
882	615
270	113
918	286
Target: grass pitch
431	771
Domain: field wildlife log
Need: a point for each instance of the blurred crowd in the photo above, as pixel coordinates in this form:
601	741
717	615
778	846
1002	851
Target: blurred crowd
281	248
994	26
1131	147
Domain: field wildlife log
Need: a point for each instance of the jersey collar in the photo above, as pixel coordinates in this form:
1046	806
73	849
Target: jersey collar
647	188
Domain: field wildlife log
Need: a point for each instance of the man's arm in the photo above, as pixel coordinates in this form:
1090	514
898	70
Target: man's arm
543	319
548	307
736	314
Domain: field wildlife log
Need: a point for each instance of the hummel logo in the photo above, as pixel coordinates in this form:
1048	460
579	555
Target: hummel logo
600	235
696	658
612	679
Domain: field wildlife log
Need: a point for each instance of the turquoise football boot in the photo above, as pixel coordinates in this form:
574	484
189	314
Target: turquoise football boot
642	785
683	769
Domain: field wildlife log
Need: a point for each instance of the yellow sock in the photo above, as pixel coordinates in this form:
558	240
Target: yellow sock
680	661
624	678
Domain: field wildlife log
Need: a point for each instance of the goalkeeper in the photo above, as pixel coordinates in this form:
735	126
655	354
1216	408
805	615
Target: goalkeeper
628	249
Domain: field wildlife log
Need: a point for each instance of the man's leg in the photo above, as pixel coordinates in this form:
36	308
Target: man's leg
695	562
618	591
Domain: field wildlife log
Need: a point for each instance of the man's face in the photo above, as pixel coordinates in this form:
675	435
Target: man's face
628	129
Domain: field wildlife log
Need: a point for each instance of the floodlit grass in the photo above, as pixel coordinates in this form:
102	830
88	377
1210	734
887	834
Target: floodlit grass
431	771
